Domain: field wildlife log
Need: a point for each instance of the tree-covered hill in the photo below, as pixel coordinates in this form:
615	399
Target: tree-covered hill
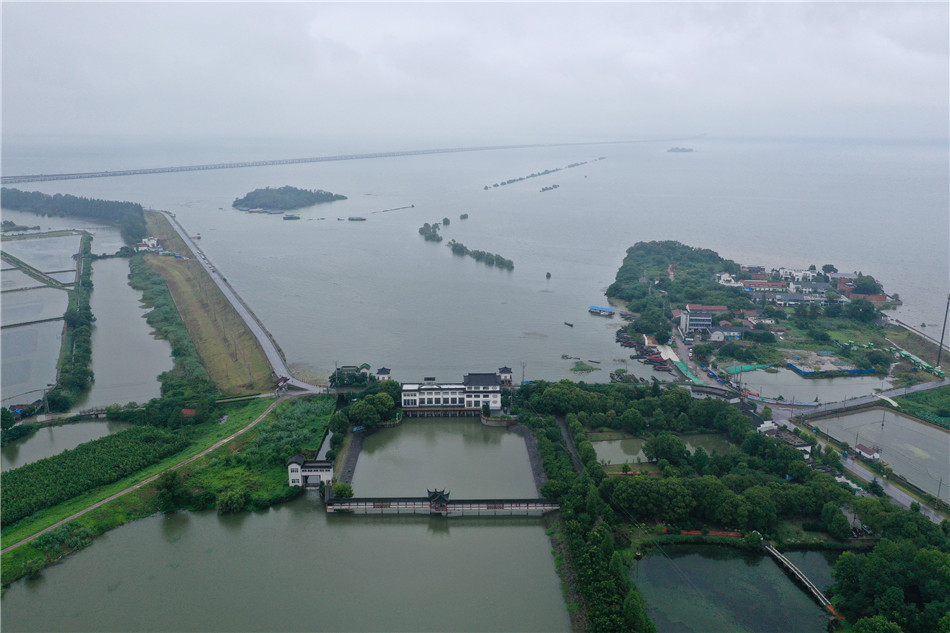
285	198
683	273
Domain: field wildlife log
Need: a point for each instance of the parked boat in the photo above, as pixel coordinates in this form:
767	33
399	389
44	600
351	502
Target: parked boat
291	216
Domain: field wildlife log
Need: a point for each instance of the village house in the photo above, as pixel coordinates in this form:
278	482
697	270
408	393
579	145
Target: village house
767	286
726	333
867	452
149	244
810	287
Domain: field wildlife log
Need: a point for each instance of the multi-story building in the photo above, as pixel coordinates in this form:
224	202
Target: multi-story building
465	398
695	316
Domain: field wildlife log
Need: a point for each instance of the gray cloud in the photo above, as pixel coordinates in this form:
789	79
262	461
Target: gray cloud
486	71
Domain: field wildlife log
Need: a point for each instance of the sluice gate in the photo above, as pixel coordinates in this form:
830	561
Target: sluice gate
438	503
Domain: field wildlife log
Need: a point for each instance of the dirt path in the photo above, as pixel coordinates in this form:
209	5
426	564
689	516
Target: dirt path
145	482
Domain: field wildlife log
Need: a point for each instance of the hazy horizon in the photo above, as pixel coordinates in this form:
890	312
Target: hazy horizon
384	76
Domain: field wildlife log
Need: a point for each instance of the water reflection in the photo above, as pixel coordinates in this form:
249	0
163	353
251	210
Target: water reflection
707	589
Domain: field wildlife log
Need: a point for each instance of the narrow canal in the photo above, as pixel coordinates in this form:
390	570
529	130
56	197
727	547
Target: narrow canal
52	440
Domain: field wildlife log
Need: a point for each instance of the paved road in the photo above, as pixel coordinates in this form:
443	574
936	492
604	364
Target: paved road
872	399
257	328
217	444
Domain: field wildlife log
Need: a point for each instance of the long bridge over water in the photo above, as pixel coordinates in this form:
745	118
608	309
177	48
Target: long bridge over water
12	180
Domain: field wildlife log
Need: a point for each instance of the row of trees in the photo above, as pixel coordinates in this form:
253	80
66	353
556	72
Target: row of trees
610	601
128	216
52	480
537	174
285	198
490	259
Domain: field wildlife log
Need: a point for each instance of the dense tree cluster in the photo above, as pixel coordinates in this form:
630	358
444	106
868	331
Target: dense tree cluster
128	216
635	408
431	232
897	582
285	198
683	273
46	482
900	585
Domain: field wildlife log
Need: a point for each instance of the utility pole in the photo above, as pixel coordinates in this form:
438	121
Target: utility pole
943	331
523	363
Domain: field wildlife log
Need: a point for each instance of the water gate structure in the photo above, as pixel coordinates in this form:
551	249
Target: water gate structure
437	502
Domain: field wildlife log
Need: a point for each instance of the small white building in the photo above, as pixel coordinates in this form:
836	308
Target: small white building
726	333
867	452
727	279
305	472
793	274
382	374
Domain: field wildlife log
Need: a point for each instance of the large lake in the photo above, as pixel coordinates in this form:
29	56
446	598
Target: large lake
349	292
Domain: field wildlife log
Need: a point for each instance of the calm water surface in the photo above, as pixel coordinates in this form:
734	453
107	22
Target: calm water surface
126	356
46	254
630	451
28	359
790	385
428	452
710	589
36	304
52	440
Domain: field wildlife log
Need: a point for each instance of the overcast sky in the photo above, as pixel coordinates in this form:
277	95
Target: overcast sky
492	73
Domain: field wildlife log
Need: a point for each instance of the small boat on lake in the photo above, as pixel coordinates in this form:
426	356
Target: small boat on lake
291	216
356	218
568	324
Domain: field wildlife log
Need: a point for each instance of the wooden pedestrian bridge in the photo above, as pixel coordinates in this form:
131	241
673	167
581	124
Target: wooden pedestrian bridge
437	502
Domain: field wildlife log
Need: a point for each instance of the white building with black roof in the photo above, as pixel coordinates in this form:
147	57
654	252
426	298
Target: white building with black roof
430	397
308	472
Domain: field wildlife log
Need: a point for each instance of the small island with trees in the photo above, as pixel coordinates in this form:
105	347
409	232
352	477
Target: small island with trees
285	198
